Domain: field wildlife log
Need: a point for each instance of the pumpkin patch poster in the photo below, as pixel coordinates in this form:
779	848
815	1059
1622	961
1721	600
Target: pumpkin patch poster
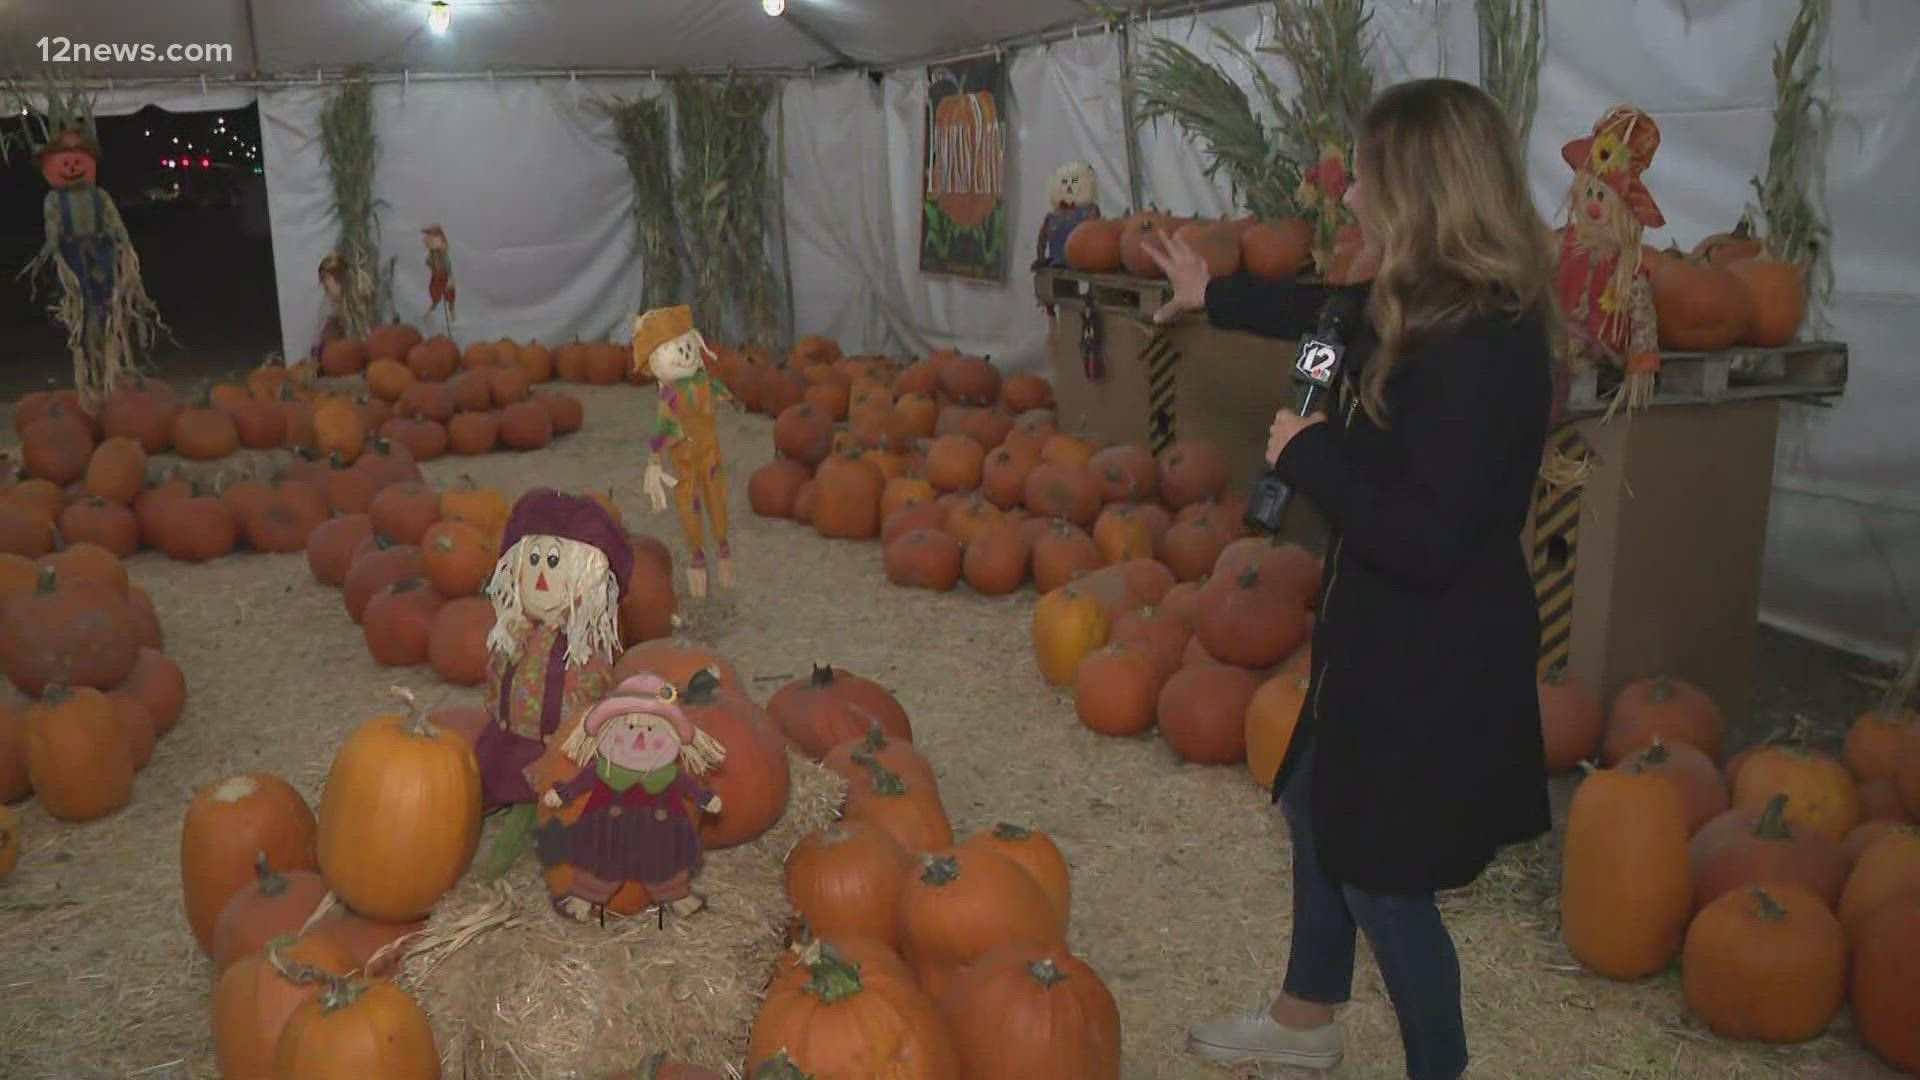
963	214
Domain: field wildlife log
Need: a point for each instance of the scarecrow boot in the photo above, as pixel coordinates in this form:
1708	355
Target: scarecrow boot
724	568
697	573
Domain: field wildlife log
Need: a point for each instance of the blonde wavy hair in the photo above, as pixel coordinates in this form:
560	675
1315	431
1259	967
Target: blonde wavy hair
1446	196
592	621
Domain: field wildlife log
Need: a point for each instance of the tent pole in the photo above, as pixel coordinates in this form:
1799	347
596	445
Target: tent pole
253	39
1136	185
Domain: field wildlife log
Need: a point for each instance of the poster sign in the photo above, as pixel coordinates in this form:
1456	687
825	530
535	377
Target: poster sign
963	214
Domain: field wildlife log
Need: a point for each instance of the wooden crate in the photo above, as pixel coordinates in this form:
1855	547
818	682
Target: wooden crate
1813	370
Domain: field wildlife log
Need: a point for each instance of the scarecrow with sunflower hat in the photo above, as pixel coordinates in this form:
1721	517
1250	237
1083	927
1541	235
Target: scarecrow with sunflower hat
103	302
1604	291
666	345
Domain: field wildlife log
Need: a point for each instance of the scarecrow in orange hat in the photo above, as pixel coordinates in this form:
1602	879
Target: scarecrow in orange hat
440	272
1604	292
103	304
666	345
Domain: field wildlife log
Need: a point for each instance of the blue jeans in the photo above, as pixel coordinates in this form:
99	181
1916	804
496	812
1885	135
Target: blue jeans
1410	944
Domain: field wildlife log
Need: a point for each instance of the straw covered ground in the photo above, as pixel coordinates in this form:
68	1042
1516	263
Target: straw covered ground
1179	872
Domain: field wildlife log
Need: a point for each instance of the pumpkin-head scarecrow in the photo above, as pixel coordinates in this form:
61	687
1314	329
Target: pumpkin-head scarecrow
666	344
439	274
1073	196
1603	289
564	565
628	838
103	302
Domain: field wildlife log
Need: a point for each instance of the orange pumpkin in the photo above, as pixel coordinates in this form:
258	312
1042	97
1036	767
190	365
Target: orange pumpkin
1117	688
1691	773
1887	871
399	817
832	705
1777	297
1886	984
1818	788
1765	962
1662	706
753	780
357	1027
229	824
911	813
79	762
1037	854
1068	624
1625	850
1272	715
1033	1011
254	996
960	904
1571	721
1698	307
276	904
1093	247
846	878
847	1020
1740	848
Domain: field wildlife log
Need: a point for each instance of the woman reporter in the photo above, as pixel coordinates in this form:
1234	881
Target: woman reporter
1418	752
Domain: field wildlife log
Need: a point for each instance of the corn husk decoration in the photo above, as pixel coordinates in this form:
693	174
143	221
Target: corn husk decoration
103	303
351	150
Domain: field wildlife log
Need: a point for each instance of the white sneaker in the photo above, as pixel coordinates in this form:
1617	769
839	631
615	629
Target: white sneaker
1257	1039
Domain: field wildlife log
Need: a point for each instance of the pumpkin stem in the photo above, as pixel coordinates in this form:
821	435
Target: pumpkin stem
297	972
340	993
271	883
1046	972
45	581
939	869
1655	754
1008	831
834	979
1773	820
1248	578
417	722
822	675
701	686
1765	906
1660	691
876	739
885	780
54	693
779	1067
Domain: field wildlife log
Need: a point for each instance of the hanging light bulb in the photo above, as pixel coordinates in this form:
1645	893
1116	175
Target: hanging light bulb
439	16
775	8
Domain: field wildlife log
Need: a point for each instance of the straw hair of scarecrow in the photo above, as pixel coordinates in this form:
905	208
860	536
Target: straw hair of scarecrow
700	754
593	607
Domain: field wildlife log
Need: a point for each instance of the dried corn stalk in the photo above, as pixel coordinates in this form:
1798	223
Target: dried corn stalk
351	150
1794	228
1327	44
726	197
1512	38
641	134
1171	81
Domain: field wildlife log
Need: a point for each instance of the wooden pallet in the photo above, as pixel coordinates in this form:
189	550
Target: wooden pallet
1111	292
1815	369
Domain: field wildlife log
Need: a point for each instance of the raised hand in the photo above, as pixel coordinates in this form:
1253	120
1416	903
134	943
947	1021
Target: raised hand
1185	270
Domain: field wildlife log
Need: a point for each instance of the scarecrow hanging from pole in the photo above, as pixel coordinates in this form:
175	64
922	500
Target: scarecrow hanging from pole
665	343
103	302
1603	289
440	273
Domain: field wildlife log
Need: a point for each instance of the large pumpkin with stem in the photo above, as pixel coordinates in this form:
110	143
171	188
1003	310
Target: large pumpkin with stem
753	780
79	761
960	904
255	995
399	816
850	1021
845	880
1033	1011
357	1028
1691	773
1117	688
1741	848
1037	854
1571	721
1776	296
826	708
848	759
1251	619
229	824
1873	745
1663	706
910	812
1203	713
1068	624
1697	306
1818	788
1625	851
1887	871
278	903
1273	714
1766	962
73	632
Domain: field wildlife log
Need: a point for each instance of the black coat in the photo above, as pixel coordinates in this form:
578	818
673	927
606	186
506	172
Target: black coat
1422	713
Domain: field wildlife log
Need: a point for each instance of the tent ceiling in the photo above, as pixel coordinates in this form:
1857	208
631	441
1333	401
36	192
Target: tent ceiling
294	36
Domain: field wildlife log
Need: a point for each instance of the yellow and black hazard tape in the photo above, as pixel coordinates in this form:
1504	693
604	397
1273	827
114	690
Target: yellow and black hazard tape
1556	529
1161	359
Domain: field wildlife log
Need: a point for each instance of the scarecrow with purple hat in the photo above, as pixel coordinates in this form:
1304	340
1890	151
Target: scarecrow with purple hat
1604	291
635	795
564	565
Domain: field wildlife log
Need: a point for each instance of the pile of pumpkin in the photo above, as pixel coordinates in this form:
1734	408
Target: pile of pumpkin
80	641
1786	881
597	363
908	945
304	916
413	565
1726	292
1280	248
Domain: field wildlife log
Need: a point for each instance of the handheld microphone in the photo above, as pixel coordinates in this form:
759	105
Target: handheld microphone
1318	366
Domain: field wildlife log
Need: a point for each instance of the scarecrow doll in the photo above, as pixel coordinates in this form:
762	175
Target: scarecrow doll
1072	198
439	273
103	303
635	796
564	564
666	344
333	283
1603	290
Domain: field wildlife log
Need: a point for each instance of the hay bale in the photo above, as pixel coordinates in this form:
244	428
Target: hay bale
515	990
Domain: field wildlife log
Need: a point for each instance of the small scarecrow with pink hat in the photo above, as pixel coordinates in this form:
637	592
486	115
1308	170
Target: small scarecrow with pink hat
637	792
564	565
666	345
1604	291
439	273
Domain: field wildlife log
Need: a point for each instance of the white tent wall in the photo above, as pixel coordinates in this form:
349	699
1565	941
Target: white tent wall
536	205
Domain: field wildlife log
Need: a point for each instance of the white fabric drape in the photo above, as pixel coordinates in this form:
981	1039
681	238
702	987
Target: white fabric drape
537	208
